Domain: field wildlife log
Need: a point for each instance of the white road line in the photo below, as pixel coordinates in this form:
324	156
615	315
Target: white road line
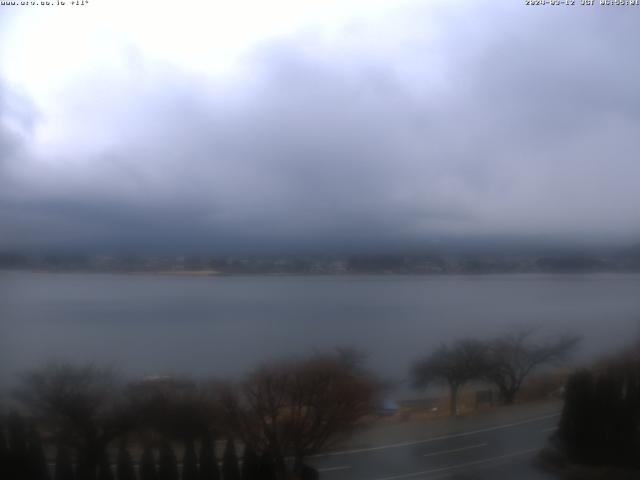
435	439
454	450
334	469
460	465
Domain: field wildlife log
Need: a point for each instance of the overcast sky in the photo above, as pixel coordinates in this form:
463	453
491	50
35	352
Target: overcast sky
358	123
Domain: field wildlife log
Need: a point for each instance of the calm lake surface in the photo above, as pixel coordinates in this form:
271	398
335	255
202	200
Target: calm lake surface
224	326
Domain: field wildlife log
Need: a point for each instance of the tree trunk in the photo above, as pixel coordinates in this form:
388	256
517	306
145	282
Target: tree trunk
508	397
453	400
281	467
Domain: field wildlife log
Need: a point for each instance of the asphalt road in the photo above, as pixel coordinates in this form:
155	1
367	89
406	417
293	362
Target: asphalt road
499	445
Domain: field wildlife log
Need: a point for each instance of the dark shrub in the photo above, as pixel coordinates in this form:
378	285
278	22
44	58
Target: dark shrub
38	469
63	469
267	467
87	464
189	463
4	455
230	470
18	464
148	465
600	422
167	463
250	464
104	467
124	467
208	462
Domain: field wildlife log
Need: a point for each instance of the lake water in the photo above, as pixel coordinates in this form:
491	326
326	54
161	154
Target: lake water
224	326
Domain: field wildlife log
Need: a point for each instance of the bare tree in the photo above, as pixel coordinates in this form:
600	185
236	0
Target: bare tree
178	409
78	404
454	365
299	408
351	357
512	357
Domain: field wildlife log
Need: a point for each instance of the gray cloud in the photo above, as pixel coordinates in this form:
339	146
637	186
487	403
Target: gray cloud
509	123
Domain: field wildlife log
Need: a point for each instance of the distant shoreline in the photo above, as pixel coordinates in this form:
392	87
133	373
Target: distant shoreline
189	273
216	273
